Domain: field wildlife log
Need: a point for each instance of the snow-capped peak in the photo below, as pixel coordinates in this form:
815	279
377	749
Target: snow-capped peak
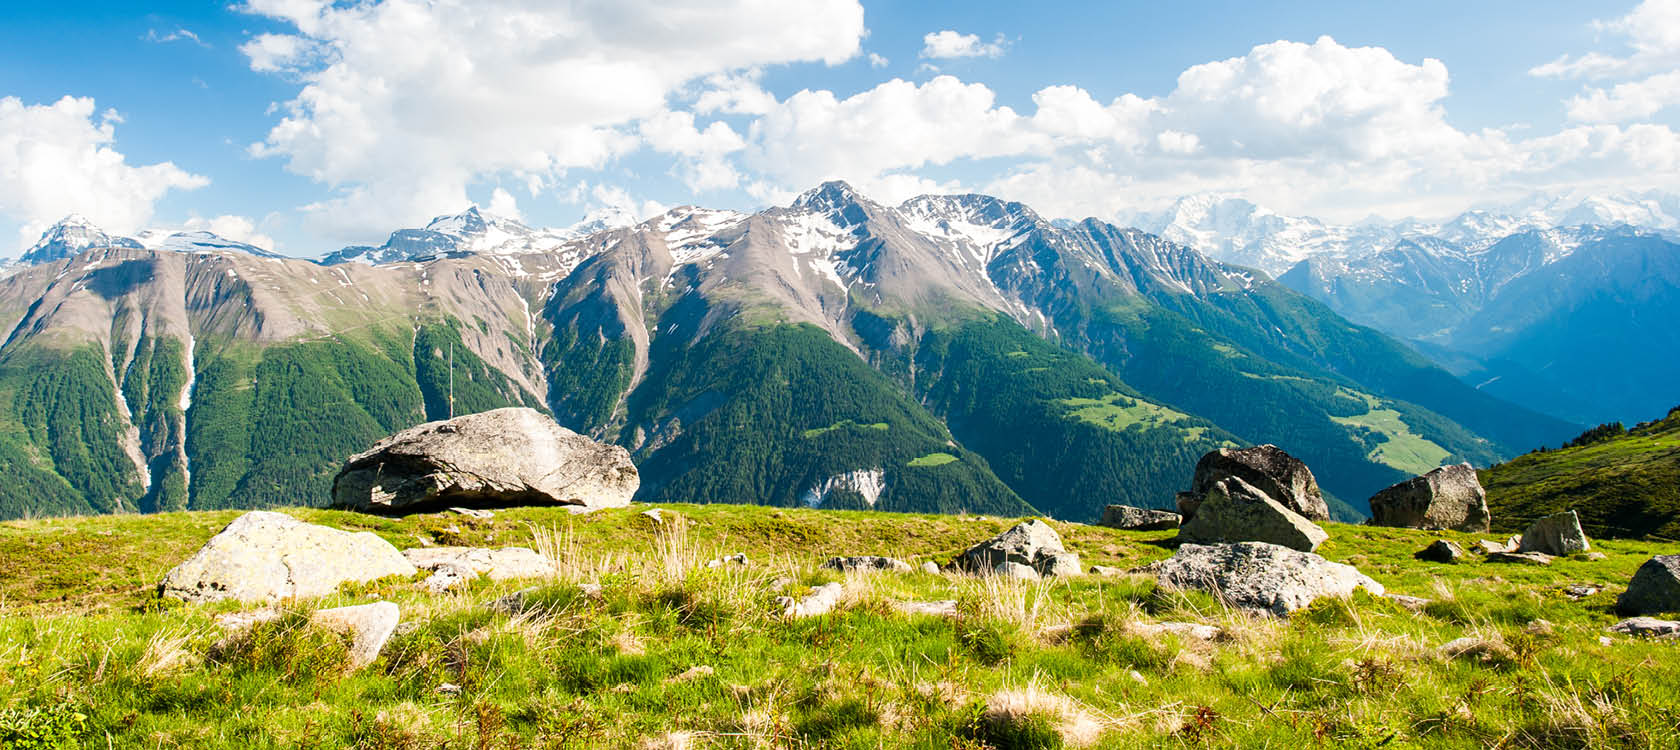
72	235
828	197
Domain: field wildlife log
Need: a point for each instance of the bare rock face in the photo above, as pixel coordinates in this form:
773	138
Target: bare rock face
1281	476
1655	587
513	456
264	556
1447	498
1030	543
1235	511
1558	534
1138	519
1259	576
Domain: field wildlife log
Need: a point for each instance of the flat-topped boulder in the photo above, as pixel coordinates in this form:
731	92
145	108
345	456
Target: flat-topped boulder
1260	577
1281	476
1655	587
1138	519
1450	497
513	456
265	556
1235	511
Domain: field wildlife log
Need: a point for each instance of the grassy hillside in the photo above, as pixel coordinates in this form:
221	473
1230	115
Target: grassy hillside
672	654
1622	483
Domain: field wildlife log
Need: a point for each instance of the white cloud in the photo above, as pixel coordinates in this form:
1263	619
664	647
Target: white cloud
1626	101
1651	32
705	151
236	228
60	158
502	203
878	61
405	103
949	44
181	34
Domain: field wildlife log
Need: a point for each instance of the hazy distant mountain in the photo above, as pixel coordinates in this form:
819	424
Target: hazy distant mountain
948	353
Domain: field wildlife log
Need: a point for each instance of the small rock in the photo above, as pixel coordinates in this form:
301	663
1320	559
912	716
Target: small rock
447	577
1581	590
1478	649
1062	564
1604	640
591	590
1138	519
502	564
478	513
654	515
1104	570
514	603
1595	556
1008	569
940	608
1648	627
1655	587
867	563
1539	627
1031	543
739	558
1525	558
820	601
1441	551
930	567
1410	603
1137	677
239	621
1494	548
1196	630
1558	534
369	627
448	688
693	673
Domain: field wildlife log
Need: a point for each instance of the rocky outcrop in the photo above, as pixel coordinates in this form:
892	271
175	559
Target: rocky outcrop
368	625
1267	467
265	556
1138	519
513	456
1648	627
1558	534
1655	587
1450	497
1441	551
1030	543
1235	511
1261	577
867	563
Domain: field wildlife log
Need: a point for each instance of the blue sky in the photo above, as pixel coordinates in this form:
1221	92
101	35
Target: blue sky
309	125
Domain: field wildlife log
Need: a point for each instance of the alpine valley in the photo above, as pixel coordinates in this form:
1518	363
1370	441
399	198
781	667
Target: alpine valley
951	353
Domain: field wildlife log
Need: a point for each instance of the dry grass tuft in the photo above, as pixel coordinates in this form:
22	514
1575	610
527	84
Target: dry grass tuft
167	653
1077	725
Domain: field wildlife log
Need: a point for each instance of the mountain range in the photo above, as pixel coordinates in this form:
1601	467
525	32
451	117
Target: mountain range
950	353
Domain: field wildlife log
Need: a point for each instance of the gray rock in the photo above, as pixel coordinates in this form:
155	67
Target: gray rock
1441	551
1655	587
1061	564
1195	630
820	601
266	556
368	625
1596	556
939	608
930	567
1107	571
1581	590
1450	497
1411	603
1138	519
505	563
1648	627
479	513
1008	569
1235	511
1259	576
1521	558
868	563
1267	467
448	577
513	456
1558	535
739	558
1030	543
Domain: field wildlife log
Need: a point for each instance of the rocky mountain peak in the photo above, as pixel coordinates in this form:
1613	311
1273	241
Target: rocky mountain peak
71	235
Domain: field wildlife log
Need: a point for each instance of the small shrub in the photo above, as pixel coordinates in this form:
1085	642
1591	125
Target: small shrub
55	727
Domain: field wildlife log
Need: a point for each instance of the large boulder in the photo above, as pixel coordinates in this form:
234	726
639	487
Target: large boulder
1447	498
1258	576
1235	511
1030	543
1281	476
1558	535
513	456
1655	587
1138	519
264	556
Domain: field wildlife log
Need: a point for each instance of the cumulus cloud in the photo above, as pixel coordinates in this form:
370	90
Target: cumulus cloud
1626	101
948	44
60	158
404	103
1651	36
233	227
